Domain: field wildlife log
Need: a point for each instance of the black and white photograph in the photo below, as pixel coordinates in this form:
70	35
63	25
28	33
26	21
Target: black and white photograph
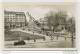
39	25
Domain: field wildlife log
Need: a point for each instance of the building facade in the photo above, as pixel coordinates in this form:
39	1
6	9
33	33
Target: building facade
14	19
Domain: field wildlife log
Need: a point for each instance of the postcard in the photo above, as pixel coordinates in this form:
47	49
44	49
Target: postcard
39	26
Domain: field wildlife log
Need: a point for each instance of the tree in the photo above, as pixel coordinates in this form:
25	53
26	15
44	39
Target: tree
71	25
71	28
56	19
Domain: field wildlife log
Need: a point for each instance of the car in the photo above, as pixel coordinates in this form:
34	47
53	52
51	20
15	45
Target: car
22	42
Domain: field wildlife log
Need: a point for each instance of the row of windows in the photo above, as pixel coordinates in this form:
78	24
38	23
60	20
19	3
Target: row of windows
8	15
13	18
14	15
15	24
19	20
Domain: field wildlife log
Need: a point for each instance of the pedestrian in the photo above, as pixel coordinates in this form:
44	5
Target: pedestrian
44	38
34	40
28	38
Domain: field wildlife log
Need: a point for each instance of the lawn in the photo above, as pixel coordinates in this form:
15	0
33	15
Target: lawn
15	35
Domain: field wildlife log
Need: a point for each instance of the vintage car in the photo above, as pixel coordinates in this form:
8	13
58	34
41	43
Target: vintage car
22	42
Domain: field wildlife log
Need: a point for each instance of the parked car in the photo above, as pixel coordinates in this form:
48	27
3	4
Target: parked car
22	42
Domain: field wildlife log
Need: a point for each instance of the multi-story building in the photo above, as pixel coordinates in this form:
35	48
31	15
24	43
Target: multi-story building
14	19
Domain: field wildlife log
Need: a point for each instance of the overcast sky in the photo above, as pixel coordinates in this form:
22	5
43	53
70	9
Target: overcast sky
39	11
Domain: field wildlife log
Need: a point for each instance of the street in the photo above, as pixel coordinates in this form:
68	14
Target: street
56	42
60	43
